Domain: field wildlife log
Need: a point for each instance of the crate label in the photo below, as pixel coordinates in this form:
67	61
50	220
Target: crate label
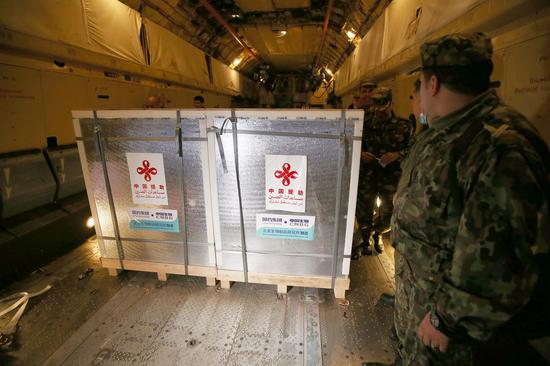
285	182
285	226
147	178
153	219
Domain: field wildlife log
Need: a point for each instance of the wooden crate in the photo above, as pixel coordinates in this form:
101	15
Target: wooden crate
211	273
113	265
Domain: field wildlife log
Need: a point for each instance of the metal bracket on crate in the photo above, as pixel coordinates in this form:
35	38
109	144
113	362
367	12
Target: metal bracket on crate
347	152
234	121
219	133
290	134
179	132
341	161
101	152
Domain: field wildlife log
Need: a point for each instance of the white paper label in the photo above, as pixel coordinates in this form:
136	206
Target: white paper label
153	219
285	226
147	178
285	182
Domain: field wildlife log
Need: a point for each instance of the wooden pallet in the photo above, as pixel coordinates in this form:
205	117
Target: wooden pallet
162	269
226	277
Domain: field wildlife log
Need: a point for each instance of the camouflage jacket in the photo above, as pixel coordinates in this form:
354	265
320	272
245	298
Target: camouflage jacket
381	136
468	224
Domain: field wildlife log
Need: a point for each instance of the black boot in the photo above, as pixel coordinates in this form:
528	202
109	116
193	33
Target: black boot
356	253
367	246
378	244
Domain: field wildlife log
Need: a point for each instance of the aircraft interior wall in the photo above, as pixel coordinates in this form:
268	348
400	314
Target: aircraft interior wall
37	99
104	66
521	60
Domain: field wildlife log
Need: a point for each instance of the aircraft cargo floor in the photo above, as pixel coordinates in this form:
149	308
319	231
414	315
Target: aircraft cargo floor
134	319
91	318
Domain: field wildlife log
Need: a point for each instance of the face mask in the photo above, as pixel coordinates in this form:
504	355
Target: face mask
423	119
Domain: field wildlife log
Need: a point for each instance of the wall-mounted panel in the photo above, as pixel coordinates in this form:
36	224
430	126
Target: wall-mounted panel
21	106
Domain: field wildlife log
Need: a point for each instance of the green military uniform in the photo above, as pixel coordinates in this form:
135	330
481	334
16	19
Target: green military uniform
383	132
465	217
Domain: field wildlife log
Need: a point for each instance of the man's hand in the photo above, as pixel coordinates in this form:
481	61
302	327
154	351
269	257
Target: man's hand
388	158
432	337
367	156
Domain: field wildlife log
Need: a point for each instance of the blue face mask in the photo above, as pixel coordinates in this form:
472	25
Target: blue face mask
423	119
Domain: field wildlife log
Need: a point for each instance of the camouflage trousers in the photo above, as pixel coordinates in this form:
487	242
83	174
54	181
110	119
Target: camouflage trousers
371	186
413	300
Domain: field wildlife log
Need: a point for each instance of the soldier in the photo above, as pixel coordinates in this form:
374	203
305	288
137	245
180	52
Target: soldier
384	139
198	101
356	102
365	91
468	210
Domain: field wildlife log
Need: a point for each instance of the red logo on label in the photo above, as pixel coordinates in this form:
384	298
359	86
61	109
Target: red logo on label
286	174
146	171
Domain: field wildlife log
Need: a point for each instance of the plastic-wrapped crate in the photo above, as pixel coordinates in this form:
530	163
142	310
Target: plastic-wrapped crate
146	174
164	186
291	224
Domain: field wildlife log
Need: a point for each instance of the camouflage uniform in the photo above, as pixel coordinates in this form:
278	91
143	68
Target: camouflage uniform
465	224
380	136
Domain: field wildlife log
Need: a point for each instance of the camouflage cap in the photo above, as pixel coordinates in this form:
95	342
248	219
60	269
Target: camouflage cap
381	95
459	49
368	82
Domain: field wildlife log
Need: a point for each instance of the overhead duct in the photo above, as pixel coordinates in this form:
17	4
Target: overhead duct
228	27
325	31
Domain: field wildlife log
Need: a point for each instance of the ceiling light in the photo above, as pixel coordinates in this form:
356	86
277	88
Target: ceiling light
235	16
90	222
279	27
351	34
236	62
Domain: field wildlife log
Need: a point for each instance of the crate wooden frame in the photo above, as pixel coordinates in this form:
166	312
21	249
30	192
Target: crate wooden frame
163	270
227	277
